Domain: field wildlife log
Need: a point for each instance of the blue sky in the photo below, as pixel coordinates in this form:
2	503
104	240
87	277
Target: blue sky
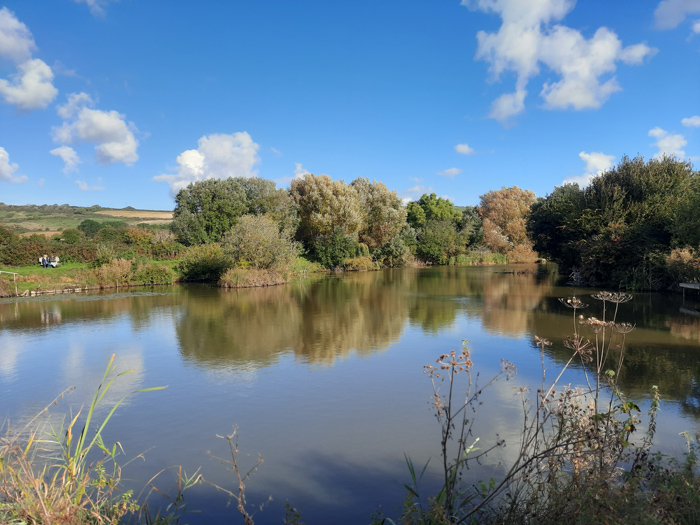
124	102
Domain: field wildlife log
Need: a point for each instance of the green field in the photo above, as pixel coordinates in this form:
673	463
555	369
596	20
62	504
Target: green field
47	219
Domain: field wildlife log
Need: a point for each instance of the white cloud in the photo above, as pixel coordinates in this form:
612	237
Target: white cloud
95	6
596	163
85	187
276	152
414	193
76	101
415	179
218	156
696	26
16	41
69	156
299	171
527	39
450	172
670	13
464	149
7	170
692	122
667	144
31	87
114	136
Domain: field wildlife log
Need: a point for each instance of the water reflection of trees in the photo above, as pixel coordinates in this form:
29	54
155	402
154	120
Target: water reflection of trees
64	309
318	319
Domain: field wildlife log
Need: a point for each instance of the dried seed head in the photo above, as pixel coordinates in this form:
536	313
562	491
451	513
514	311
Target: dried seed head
572	302
612	297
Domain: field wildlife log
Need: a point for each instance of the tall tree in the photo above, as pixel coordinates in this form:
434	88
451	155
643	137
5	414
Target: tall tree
205	210
383	214
326	208
504	213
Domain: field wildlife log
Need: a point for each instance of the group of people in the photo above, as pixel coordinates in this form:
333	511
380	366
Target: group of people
48	262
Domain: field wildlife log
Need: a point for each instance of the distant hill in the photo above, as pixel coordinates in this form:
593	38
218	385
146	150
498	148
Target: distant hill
51	218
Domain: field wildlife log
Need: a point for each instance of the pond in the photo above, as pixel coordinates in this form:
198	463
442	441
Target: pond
323	377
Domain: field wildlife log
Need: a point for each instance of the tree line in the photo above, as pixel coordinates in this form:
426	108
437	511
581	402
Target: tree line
357	225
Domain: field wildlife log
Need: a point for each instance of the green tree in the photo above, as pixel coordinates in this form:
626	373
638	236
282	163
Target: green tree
434	209
383	214
71	235
205	210
621	228
89	227
437	242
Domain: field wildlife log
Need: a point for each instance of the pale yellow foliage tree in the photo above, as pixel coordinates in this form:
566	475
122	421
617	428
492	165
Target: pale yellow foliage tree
504	214
383	215
325	206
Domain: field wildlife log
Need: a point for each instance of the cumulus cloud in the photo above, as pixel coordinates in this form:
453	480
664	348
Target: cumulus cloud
692	122
299	171
668	144
84	186
464	149
69	156
95	6
596	163
218	156
670	13
414	193
108	129
16	41
31	87
450	173
696	26
528	38
7	170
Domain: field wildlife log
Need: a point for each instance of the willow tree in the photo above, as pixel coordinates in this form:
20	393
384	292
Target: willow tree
383	215
504	215
330	217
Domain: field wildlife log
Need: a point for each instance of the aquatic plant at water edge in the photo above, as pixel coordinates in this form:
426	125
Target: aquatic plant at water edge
68	474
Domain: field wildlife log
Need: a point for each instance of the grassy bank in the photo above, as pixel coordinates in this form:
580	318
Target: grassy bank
117	273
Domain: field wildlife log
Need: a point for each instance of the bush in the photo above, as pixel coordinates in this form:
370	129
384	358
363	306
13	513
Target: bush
205	262
684	265
256	241
240	278
152	274
167	250
522	253
360	264
394	254
332	250
116	272
71	235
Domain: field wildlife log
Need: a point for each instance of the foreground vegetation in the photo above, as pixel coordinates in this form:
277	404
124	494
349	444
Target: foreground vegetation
585	453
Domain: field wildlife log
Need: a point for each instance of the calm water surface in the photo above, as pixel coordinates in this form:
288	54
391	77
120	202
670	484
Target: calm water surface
322	377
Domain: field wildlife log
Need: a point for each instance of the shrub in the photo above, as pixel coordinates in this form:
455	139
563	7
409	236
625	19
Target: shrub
166	250
394	254
205	262
360	264
522	253
684	265
332	250
116	272
152	274
256	241
240	278
71	235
